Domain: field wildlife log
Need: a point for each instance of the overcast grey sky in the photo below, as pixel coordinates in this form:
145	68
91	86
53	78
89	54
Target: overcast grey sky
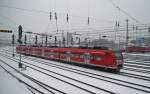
102	13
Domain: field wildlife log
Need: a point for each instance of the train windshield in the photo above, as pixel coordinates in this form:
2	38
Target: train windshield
119	55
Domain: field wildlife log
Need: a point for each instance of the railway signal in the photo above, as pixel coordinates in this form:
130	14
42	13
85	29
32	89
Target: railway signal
63	41
67	18
50	16
19	34
88	20
36	39
25	39
46	40
13	43
13	39
78	40
55	41
72	42
55	16
20	42
127	34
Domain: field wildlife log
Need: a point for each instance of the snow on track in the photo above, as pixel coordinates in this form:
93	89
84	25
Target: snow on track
92	81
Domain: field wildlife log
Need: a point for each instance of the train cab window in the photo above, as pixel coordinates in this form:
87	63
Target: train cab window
98	58
119	55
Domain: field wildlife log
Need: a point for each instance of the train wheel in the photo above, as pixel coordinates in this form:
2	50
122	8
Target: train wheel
118	69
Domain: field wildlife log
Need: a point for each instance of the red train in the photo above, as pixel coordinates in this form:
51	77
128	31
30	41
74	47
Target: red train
107	59
138	49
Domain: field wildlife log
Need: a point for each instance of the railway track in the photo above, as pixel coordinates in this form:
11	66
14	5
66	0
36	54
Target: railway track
86	73
31	79
36	69
136	70
124	73
138	63
22	81
137	66
135	76
81	72
138	57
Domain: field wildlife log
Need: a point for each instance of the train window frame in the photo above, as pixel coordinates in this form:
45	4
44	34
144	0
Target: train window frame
118	55
89	57
62	54
81	56
98	57
76	55
68	54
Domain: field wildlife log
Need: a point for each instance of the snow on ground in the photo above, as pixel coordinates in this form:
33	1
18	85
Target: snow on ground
9	85
15	85
137	56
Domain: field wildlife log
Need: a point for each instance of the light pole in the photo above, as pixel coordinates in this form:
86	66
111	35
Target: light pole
29	32
127	35
13	43
119	41
20	42
59	49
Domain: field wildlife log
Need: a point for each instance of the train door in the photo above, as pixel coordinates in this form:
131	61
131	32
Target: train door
87	58
51	54
43	52
68	54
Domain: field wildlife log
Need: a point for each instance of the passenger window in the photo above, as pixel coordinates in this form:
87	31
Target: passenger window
71	55
81	56
91	57
88	57
68	54
76	55
98	58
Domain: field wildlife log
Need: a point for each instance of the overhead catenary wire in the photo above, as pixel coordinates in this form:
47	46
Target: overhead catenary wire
29	10
47	12
138	25
126	13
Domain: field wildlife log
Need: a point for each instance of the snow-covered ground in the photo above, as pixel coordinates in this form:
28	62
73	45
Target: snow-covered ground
9	85
53	76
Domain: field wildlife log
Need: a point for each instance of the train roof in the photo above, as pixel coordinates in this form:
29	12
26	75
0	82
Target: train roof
77	49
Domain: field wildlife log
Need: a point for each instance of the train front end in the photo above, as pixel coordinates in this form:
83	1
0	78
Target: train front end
118	60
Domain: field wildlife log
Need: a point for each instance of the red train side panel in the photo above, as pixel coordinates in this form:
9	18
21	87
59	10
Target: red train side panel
103	58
